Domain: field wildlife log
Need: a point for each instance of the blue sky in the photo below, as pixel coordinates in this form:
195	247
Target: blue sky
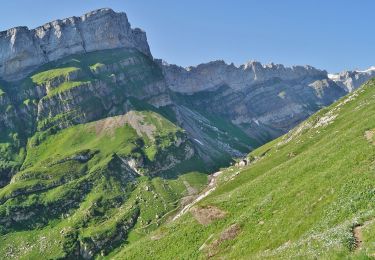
329	34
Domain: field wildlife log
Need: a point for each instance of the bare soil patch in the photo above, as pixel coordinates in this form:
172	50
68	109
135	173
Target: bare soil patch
157	236
206	215
369	136
228	234
357	233
134	119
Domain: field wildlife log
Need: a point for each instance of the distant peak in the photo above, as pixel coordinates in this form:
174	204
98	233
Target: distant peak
251	64
101	11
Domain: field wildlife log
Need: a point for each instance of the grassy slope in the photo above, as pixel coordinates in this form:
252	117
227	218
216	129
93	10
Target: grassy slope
48	75
75	201
300	200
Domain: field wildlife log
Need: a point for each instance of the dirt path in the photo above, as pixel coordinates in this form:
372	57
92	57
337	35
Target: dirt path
357	233
191	190
210	188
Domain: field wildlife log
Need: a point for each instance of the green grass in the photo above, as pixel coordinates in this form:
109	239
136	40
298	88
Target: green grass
66	86
299	201
96	66
49	75
66	202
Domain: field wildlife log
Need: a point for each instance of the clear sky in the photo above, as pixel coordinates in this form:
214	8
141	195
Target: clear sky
329	34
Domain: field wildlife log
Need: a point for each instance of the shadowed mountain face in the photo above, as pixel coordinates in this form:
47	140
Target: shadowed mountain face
99	141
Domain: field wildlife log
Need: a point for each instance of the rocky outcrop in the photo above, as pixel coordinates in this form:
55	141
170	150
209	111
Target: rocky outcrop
22	50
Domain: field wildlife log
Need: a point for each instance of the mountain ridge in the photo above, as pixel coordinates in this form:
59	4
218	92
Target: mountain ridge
274	70
55	30
24	50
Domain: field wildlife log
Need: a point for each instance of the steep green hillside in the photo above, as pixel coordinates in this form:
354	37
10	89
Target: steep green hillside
309	194
82	190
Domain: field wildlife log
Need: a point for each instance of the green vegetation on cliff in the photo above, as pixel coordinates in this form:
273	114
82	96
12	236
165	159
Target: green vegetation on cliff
68	92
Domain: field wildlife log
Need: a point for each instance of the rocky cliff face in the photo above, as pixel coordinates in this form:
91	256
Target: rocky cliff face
22	50
210	75
264	100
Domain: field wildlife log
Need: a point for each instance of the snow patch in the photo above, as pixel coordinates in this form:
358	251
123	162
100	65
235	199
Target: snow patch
371	69
199	142
334	77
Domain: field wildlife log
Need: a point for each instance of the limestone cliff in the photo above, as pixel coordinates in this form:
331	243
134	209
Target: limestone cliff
210	75
22	50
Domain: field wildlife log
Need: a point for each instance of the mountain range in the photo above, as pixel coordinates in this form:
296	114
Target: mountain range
101	146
